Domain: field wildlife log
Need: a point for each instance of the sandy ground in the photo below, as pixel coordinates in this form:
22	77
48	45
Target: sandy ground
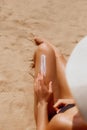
63	22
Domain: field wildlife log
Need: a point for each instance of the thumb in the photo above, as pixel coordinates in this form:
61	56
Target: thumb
56	104
59	104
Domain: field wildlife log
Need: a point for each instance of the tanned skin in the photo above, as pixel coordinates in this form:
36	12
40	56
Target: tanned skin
52	91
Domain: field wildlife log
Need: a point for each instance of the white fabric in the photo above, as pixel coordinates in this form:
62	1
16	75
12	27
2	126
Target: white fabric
76	74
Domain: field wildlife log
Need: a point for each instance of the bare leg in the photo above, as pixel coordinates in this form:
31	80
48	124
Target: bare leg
55	72
60	68
51	73
64	88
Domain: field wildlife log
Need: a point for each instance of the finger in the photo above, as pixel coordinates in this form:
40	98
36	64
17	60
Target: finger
39	79
37	82
39	87
36	86
42	81
59	104
40	76
50	87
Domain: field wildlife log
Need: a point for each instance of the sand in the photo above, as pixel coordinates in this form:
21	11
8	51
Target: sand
63	22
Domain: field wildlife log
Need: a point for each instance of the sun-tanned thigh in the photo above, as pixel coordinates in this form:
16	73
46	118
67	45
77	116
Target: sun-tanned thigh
50	71
69	120
63	121
59	122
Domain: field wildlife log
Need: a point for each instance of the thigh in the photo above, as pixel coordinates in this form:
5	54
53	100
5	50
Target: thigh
51	74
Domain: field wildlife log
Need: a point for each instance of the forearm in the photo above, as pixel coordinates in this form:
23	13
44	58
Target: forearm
42	116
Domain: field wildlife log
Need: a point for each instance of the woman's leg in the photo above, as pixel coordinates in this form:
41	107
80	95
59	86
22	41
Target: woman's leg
51	73
60	69
55	71
61	64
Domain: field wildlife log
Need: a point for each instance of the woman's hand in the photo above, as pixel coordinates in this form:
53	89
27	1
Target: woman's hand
42	91
61	103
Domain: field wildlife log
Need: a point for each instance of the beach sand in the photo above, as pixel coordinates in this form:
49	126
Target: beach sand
63	22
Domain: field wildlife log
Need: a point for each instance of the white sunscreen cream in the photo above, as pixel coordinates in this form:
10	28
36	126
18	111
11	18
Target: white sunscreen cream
43	65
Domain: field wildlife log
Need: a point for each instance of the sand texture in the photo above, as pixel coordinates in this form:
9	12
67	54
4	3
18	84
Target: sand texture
63	22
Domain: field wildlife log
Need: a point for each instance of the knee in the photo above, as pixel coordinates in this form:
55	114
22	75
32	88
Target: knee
50	61
45	49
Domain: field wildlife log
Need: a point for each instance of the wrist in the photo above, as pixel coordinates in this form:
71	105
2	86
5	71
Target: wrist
42	103
42	115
